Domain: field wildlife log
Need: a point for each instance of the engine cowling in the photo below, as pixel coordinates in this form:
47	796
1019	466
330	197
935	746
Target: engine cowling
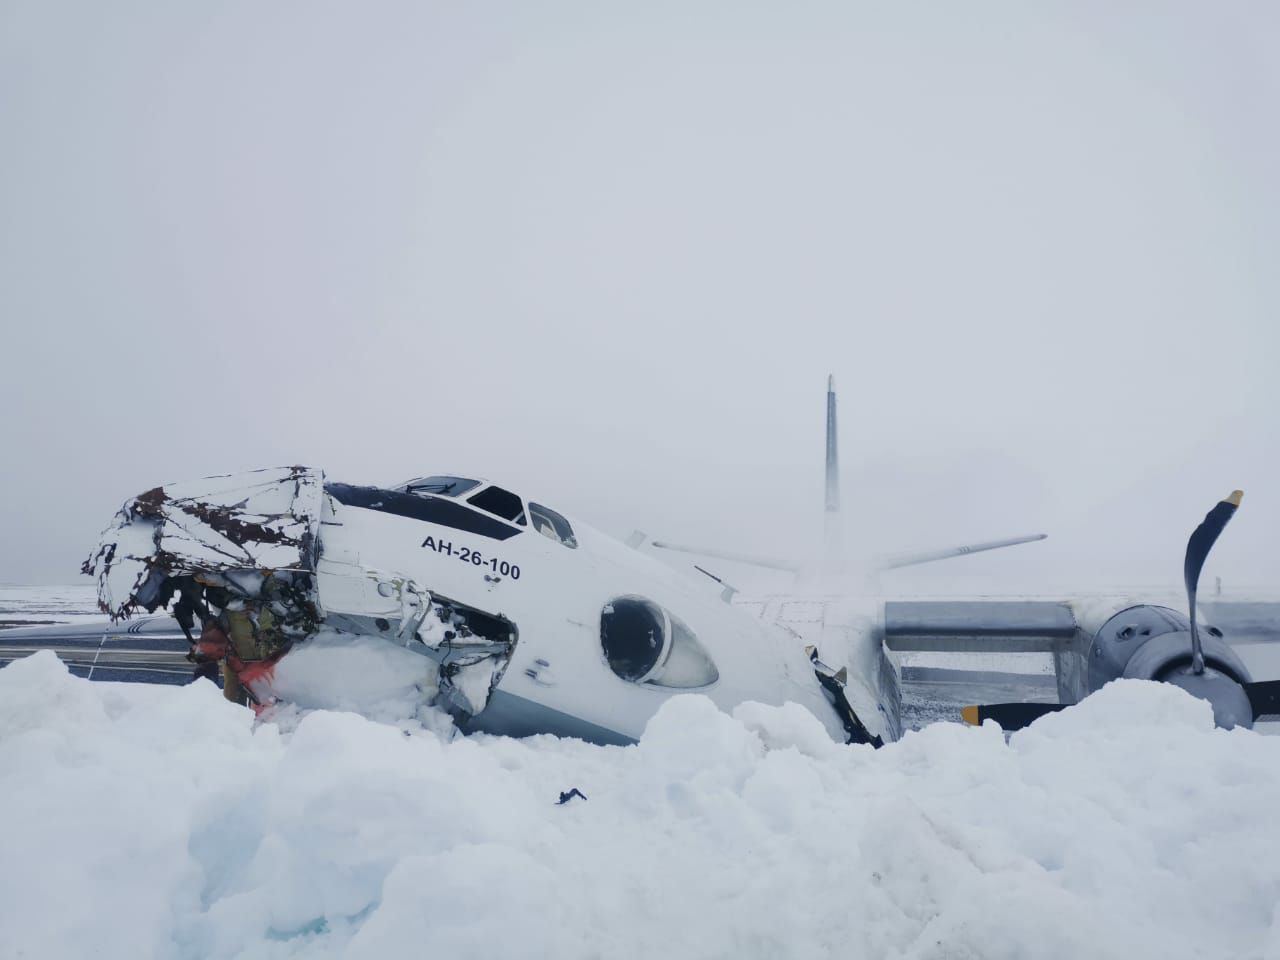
1148	642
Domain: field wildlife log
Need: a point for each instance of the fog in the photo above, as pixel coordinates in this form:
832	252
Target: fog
609	253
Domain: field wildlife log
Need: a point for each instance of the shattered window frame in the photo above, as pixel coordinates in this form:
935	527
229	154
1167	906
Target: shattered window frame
555	526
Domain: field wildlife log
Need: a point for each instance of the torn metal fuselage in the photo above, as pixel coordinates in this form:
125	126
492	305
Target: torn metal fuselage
244	557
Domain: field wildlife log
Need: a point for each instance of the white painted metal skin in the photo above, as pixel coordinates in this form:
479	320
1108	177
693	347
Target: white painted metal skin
559	669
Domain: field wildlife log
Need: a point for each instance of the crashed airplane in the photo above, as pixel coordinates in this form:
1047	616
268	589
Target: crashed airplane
524	621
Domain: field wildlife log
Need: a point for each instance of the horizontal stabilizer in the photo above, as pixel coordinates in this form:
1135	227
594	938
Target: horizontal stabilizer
755	561
914	559
1010	716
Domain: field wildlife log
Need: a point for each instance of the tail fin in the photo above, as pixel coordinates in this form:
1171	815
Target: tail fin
833	538
833	455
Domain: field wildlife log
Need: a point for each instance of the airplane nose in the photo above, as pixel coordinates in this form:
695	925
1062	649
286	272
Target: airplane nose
1230	703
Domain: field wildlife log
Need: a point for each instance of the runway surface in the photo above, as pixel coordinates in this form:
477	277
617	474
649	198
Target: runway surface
153	650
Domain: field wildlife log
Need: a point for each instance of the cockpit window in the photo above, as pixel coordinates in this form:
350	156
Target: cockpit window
646	644
501	503
440	486
550	524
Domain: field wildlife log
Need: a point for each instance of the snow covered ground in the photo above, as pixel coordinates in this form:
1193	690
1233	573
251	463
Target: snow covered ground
155	821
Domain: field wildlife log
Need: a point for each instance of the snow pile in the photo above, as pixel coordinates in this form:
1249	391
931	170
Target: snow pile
161	822
368	675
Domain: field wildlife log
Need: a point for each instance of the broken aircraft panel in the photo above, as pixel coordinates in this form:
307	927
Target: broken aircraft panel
264	520
244	556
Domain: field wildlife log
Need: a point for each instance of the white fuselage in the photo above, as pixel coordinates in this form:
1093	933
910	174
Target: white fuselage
559	679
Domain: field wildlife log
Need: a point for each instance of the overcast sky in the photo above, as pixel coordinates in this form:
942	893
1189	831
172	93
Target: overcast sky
609	253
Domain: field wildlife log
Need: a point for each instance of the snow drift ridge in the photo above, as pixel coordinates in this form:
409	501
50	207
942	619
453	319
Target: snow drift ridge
162	822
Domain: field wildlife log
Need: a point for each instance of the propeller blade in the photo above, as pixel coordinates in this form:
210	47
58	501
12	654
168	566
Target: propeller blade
1010	716
1202	540
1264	697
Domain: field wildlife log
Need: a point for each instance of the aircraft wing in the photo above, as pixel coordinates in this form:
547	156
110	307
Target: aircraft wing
979	626
1244	621
1043	626
1093	640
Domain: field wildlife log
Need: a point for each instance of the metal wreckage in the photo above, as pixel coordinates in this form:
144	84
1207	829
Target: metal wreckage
240	561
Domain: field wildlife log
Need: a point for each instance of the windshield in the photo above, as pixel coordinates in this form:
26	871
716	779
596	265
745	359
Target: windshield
501	503
439	486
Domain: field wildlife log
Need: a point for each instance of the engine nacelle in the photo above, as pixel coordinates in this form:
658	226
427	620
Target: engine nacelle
1147	642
